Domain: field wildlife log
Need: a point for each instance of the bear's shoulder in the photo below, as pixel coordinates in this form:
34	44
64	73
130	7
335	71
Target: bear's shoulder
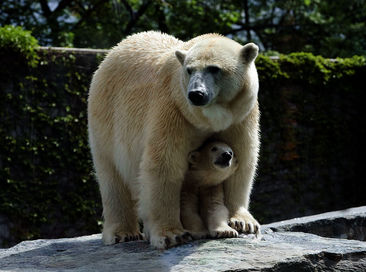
188	44
148	40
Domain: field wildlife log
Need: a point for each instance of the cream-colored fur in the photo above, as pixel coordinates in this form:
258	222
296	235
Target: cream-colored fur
142	127
202	200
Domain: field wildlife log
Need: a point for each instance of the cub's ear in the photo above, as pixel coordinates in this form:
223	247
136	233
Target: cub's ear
181	55
193	157
249	52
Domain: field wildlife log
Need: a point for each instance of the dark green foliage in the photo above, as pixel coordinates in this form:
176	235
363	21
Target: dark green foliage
46	180
20	44
328	28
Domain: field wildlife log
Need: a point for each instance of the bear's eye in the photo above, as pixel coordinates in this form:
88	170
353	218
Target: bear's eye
214	149
189	70
213	69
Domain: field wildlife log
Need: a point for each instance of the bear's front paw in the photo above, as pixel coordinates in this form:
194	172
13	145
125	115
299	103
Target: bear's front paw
244	222
203	234
223	231
114	233
110	238
170	238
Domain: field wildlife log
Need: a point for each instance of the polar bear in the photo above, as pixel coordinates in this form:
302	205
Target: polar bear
203	210
152	100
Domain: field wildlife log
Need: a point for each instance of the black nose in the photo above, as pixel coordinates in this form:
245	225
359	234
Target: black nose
198	98
226	157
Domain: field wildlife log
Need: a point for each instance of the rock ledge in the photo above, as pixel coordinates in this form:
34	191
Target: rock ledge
279	249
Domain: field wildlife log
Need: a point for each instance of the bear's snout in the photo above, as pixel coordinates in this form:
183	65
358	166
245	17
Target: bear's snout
198	98
224	159
226	156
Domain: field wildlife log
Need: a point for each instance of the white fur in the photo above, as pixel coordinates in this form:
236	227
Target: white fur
202	199
218	117
141	128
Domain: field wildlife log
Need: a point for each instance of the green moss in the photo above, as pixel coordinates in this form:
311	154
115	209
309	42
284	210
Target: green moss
305	67
19	42
269	69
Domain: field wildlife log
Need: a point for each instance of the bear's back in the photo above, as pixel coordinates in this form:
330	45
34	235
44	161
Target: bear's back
149	42
146	48
137	60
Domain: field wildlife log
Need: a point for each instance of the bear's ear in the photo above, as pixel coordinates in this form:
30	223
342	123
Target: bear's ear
181	55
249	52
193	157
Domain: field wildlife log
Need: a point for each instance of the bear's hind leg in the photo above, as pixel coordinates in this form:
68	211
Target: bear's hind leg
119	210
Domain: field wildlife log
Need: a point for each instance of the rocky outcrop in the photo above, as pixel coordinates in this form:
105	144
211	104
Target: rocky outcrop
279	249
345	224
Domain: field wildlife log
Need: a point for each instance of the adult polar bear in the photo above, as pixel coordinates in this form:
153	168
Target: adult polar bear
153	100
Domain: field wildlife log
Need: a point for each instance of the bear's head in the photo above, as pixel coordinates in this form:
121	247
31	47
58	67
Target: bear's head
213	155
212	163
219	79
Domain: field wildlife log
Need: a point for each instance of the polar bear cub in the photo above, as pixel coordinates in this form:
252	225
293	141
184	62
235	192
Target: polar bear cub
203	210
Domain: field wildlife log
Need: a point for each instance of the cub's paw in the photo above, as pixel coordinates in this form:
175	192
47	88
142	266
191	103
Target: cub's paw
171	238
244	222
112	235
202	234
223	231
109	239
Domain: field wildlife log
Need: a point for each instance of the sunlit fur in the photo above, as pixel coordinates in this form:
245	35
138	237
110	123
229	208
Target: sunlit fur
142	127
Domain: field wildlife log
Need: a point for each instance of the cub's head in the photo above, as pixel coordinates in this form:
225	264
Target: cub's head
214	162
215	70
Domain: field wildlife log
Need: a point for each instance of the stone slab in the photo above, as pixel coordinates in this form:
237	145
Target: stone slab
275	250
345	224
278	249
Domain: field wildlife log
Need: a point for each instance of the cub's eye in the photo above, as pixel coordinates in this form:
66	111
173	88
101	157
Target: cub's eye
189	70
213	69
214	149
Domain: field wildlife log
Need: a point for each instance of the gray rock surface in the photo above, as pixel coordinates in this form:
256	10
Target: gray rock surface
345	224
274	251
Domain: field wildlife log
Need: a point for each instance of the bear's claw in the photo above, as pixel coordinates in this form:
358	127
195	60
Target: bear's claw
122	237
245	225
170	240
224	232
